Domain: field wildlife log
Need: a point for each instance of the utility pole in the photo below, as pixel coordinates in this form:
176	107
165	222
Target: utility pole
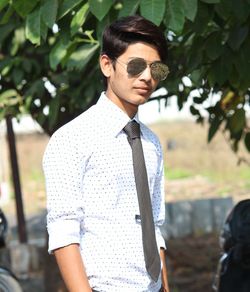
22	233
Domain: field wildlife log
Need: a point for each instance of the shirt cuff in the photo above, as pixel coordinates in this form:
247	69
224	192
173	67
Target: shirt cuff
63	233
159	239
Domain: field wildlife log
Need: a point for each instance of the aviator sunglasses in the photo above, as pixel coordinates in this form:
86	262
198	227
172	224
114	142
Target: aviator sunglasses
159	71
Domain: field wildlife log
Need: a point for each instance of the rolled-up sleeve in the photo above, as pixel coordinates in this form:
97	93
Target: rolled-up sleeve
159	206
63	166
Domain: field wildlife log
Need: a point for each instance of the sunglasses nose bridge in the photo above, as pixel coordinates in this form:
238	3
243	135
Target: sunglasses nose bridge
146	73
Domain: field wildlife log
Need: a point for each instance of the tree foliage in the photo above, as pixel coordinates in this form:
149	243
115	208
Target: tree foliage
57	43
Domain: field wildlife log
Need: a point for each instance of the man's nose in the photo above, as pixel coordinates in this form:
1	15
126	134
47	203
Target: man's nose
146	74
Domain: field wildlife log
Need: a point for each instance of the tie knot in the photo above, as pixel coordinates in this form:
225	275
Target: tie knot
132	129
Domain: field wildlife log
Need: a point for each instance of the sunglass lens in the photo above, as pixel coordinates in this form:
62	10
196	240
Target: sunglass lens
159	71
136	66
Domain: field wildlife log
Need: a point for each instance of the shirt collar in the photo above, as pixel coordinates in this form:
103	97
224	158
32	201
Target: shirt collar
115	118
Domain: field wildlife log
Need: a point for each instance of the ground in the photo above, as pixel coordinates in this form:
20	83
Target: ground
192	263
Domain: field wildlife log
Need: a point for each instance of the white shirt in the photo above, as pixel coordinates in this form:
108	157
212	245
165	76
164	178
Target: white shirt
92	199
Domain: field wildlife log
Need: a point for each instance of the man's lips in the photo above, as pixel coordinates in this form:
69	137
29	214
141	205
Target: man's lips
141	88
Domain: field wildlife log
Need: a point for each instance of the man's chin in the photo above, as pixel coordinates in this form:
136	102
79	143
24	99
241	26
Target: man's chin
143	99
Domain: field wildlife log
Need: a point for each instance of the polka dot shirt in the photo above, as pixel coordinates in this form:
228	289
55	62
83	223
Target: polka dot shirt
92	199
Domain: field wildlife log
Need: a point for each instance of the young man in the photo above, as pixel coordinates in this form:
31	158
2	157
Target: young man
95	216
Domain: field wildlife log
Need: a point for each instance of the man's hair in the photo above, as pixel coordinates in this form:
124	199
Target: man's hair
132	29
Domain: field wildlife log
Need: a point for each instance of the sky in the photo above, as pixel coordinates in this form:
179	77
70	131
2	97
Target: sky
154	111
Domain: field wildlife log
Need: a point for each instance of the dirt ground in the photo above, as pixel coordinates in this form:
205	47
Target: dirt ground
192	263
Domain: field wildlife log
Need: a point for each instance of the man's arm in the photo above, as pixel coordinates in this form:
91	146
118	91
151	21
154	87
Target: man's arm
72	268
164	274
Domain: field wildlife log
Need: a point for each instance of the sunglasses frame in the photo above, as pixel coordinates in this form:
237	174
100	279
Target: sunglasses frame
143	69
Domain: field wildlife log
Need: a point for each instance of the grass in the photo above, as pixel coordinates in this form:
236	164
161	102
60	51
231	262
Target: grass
196	169
237	174
193	155
177	173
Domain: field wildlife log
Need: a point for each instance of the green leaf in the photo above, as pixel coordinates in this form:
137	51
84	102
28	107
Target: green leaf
80	58
7	15
100	25
213	46
58	52
240	10
203	19
241	61
214	126
224	9
32	26
194	111
67	6
175	15
190	8
237	121
6	63
241	78
195	76
5	30
237	37
220	69
8	94
247	141
53	111
3	113
36	89
43	30
19	37
100	7
41	118
9	97
194	58
153	10
211	1
79	18
129	8
198	99
26	65
17	75
24	7
3	3
49	12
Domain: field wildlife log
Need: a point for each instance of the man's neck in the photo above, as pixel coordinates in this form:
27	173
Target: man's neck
130	109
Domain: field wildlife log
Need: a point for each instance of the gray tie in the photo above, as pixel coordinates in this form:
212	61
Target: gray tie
151	254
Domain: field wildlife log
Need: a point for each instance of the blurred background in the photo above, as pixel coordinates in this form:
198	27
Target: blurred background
49	74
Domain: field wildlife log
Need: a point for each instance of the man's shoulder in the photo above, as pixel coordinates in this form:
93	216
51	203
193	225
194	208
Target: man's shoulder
74	138
77	131
151	136
79	124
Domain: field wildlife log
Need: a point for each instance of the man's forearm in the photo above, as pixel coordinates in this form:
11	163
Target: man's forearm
72	268
164	274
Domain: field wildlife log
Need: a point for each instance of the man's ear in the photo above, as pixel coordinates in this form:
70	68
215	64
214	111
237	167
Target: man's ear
106	65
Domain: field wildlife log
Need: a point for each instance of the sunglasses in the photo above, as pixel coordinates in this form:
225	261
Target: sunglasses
159	71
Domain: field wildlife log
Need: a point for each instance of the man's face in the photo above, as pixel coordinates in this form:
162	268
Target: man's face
127	91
